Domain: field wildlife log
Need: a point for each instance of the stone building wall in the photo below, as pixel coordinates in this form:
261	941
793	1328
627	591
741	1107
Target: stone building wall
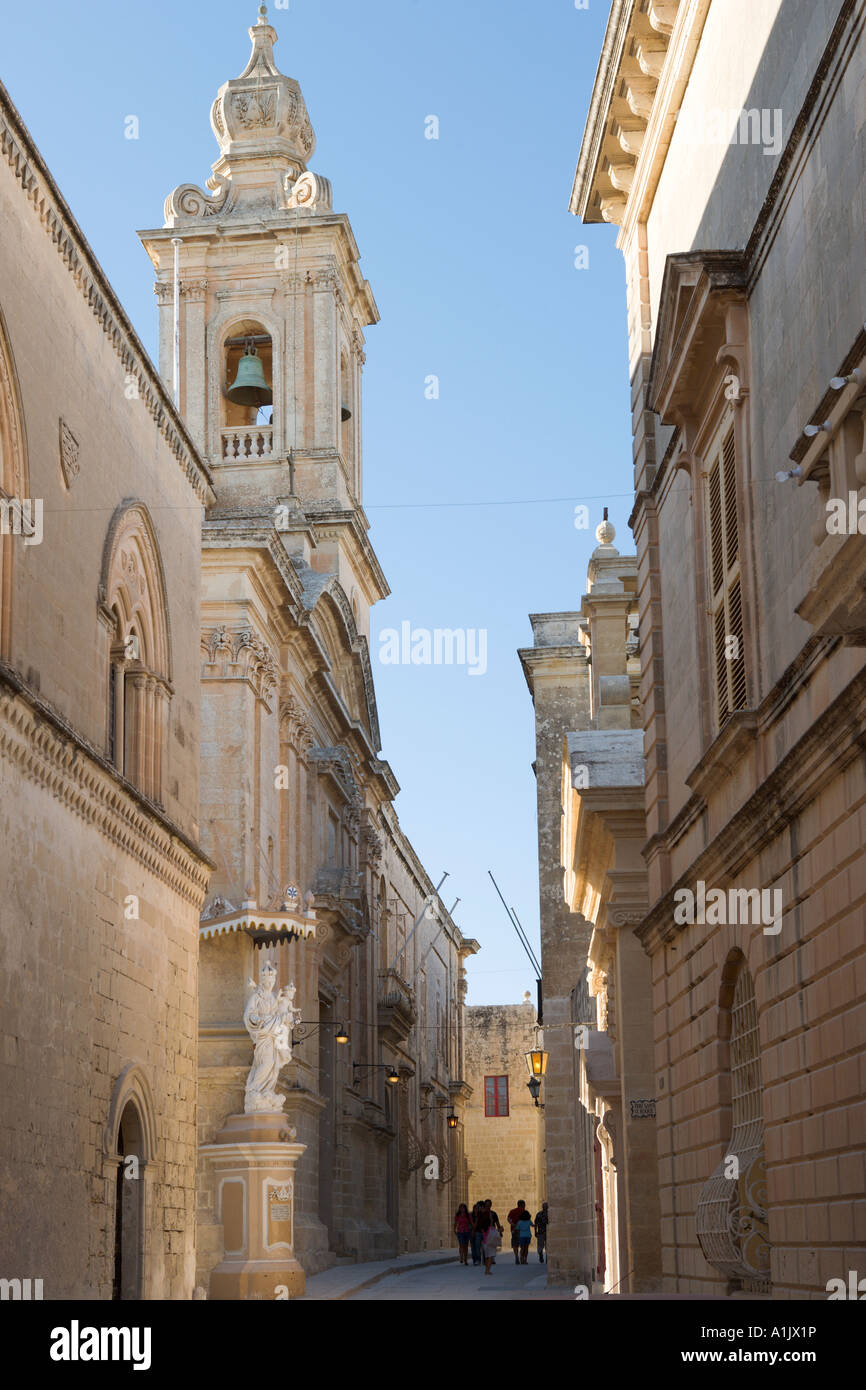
504	1153
745	271
102	885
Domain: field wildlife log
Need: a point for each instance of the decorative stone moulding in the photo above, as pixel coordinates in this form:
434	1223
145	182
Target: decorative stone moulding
189	202
613	208
632	140
651	55
239	654
69	464
309	192
263	108
266	139
622	175
640	94
663	15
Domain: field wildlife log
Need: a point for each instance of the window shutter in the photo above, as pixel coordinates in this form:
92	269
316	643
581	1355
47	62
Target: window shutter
726	608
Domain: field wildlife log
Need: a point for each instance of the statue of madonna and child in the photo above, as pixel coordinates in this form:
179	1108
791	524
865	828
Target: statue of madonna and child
269	1019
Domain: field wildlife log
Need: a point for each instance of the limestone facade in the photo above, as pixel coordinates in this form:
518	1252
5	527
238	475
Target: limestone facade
504	1152
601	1170
727	140
297	802
103	877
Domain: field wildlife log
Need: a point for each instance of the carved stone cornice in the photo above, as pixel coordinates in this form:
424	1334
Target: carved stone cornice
726	754
43	748
696	330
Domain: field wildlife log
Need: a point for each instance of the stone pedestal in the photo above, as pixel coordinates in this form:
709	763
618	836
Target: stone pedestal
253	1164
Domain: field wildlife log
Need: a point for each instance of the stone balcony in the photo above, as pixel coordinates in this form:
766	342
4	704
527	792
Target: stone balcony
247	442
395	1006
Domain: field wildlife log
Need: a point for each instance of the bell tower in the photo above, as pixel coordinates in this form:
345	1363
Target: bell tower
258	285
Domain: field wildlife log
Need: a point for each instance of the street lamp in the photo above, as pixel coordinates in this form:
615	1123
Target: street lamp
536	1061
392	1078
452	1120
536	1065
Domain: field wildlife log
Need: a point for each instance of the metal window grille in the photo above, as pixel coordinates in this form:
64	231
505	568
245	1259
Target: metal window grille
731	1214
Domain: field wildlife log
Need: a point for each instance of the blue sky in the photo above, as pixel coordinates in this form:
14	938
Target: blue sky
469	247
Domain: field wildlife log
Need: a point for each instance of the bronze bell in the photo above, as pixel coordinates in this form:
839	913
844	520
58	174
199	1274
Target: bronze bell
249	386
345	412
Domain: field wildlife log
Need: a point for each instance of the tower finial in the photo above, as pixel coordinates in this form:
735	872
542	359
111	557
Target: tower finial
263	13
605	532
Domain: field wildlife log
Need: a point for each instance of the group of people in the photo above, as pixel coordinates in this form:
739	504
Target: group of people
480	1231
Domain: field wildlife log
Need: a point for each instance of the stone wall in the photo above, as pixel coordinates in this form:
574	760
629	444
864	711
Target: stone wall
756	250
102	887
504	1153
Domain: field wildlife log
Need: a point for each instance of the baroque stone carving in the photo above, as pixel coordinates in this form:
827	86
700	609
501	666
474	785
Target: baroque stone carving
217	907
241	655
294	726
69	464
621	918
190	201
371	843
309	191
257	108
268	1019
338	763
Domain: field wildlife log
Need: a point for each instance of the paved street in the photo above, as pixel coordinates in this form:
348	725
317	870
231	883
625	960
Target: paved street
453	1281
422	1277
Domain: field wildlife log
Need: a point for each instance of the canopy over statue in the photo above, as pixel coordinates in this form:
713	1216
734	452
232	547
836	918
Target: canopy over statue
269	1019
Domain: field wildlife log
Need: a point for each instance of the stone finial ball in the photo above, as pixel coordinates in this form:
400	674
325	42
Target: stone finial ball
605	533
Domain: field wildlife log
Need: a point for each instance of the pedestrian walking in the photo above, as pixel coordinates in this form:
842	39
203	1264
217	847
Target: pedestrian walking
513	1217
524	1232
463	1231
488	1202
476	1236
492	1240
541	1220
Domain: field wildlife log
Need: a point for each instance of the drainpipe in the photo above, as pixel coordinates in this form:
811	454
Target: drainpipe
177	242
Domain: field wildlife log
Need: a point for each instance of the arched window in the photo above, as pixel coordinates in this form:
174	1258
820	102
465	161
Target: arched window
138	673
128	1242
248	371
732	1207
130	1137
347	434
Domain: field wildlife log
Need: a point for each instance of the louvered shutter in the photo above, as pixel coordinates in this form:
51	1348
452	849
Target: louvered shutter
726	608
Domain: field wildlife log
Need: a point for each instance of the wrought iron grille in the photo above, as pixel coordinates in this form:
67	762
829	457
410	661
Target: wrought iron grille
731	1213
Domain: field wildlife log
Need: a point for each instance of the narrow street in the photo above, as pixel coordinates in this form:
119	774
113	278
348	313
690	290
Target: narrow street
407	1279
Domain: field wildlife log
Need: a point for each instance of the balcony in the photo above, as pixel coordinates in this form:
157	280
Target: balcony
396	1007
247	442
